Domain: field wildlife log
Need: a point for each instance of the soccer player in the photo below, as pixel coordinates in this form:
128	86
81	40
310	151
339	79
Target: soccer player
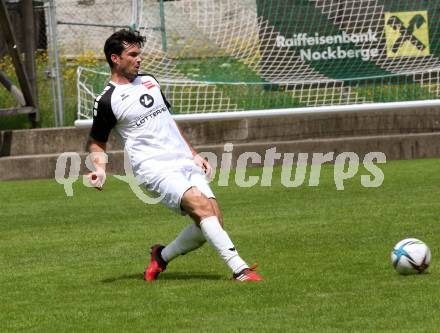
160	155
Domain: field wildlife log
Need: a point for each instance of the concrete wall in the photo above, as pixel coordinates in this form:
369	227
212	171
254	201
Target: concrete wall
406	134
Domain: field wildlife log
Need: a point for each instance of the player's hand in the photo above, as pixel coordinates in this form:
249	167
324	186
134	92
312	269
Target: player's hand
203	163
97	178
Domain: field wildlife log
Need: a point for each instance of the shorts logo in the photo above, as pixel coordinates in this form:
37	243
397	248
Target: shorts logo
407	34
146	100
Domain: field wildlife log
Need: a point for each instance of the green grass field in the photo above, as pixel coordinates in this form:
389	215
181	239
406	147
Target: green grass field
75	264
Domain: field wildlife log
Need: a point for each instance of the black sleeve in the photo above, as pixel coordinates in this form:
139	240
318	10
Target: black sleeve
103	117
166	101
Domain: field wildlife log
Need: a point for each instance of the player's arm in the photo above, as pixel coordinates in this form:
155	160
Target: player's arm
185	137
182	133
103	122
99	161
199	160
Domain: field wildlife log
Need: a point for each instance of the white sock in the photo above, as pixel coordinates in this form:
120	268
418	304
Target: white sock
220	241
189	239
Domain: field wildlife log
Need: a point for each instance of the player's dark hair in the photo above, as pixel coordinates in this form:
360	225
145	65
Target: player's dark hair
115	43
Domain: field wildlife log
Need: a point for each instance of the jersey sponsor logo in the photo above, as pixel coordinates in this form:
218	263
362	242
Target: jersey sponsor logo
149	84
150	115
146	100
124	96
407	34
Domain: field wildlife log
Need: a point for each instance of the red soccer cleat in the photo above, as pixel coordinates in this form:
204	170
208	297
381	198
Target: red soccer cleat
157	265
248	275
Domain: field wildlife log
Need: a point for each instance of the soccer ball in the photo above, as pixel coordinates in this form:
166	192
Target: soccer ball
410	256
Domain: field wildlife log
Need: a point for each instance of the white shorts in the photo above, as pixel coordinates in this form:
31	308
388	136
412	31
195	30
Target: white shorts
173	184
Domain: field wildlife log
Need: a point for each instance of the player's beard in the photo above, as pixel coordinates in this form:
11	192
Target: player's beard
130	74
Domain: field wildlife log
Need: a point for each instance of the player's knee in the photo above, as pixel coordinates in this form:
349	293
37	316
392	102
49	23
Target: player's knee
197	205
202	209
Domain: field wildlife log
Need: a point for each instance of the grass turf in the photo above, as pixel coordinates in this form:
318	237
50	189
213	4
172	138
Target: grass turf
75	264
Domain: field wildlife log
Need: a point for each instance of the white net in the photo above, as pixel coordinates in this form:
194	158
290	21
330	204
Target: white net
228	55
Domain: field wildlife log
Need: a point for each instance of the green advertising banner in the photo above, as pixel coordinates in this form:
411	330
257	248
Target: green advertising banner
353	40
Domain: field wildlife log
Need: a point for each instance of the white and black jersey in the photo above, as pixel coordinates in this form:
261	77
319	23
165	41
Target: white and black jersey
139	113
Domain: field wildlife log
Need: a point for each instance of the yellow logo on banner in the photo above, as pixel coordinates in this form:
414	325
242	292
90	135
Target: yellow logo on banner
407	34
